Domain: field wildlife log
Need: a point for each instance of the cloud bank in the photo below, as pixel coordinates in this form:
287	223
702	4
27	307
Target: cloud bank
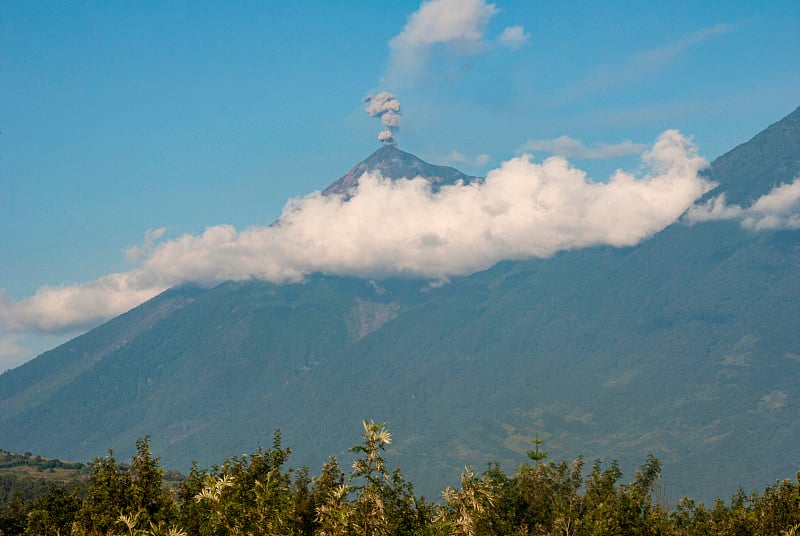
522	209
454	27
778	209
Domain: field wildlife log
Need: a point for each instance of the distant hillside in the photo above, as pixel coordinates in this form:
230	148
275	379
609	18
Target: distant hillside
25	476
687	345
28	464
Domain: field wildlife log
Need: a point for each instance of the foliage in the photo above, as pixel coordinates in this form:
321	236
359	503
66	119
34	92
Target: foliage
256	495
134	497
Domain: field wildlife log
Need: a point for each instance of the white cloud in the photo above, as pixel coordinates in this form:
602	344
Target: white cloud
522	209
458	25
54	309
777	209
572	148
514	37
780	200
714	209
445	21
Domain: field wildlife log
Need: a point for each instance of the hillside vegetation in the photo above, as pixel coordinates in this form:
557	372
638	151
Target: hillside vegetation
256	495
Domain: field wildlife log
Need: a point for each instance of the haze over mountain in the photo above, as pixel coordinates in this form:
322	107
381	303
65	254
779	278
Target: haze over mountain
686	344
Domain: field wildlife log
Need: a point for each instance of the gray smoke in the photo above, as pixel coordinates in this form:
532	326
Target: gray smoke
385	106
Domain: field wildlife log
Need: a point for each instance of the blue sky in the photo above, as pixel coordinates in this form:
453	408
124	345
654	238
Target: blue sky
118	118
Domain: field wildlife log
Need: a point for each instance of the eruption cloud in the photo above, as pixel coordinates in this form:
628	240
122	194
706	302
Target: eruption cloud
523	209
385	106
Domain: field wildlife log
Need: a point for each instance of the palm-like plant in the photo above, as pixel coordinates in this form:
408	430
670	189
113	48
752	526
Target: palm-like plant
463	508
335	514
370	508
214	488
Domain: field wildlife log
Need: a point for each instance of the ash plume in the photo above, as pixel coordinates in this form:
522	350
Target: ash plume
385	106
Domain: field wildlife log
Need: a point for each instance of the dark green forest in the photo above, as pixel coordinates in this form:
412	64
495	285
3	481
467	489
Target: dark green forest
257	494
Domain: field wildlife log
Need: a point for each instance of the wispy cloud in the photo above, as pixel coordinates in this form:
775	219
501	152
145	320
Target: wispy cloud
452	28
571	148
645	63
778	209
134	253
522	209
456	157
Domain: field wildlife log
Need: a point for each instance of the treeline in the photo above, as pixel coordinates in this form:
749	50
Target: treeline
257	495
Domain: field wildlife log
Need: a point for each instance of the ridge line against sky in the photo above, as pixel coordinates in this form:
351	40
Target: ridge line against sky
176	118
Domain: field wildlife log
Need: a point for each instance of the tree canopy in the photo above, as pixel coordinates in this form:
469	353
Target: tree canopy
257	494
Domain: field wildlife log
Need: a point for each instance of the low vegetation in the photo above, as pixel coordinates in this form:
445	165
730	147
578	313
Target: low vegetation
257	495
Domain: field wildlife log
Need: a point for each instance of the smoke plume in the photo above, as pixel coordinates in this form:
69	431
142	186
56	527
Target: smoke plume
386	107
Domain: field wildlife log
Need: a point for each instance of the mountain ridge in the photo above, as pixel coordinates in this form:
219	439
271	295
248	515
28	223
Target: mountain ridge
744	158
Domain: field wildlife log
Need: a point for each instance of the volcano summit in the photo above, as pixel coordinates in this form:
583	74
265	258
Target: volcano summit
392	163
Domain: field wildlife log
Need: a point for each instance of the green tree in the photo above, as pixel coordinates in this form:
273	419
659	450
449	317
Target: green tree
152	502
537	455
778	509
110	494
370	480
250	495
53	513
627	509
329	497
132	497
374	501
464	509
13	517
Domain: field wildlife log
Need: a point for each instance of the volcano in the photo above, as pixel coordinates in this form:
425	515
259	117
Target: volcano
687	346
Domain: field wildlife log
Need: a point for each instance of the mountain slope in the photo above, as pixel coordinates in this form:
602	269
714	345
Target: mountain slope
742	171
687	345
